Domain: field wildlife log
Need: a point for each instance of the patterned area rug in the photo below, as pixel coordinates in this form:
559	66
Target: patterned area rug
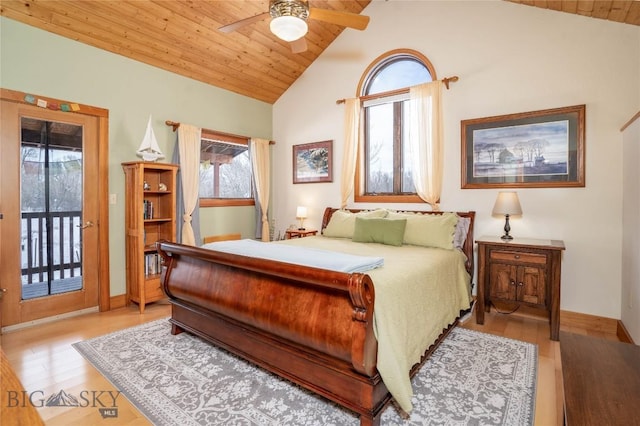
472	378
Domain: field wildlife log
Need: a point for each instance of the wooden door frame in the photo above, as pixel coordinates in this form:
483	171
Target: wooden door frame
104	288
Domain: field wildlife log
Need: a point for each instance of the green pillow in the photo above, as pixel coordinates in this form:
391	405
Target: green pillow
428	230
343	222
379	230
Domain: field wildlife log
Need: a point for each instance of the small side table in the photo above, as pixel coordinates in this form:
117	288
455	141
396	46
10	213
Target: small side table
522	271
299	233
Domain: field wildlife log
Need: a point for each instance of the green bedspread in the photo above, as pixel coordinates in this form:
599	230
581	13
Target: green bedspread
418	292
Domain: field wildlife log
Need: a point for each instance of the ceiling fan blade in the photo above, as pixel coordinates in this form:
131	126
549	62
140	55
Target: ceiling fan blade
299	45
345	19
241	23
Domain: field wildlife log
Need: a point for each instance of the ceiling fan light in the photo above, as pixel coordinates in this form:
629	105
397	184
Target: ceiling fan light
288	28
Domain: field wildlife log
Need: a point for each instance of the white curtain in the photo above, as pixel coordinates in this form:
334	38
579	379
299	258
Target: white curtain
426	140
350	151
261	172
189	149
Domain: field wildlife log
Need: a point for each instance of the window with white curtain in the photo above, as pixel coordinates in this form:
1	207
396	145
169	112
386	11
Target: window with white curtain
385	173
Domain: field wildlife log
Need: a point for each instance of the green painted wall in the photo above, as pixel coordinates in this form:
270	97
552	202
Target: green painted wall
37	62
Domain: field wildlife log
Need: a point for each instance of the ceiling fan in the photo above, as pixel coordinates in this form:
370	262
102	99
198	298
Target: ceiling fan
289	21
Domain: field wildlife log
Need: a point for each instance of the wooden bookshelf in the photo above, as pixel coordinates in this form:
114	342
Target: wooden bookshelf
150	216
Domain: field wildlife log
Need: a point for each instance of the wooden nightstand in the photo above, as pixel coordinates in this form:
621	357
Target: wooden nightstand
299	233
522	271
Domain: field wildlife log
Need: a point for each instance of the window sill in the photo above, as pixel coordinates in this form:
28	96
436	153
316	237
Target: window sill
388	199
226	202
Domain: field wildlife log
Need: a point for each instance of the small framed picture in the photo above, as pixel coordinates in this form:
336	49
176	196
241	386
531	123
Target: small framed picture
312	162
538	149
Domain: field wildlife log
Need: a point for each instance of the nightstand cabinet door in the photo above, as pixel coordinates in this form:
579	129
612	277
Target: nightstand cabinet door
517	283
531	286
502	280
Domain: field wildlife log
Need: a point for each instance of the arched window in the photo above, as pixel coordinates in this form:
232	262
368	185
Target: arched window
384	173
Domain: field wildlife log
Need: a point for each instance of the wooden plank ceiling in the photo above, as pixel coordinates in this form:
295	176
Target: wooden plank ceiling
627	12
181	36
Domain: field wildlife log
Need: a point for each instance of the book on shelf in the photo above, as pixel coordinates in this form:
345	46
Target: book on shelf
147	209
152	264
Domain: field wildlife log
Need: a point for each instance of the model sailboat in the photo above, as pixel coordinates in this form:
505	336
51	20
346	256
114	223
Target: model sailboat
149	149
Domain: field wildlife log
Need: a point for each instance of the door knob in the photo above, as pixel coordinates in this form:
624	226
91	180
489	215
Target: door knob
86	225
2	292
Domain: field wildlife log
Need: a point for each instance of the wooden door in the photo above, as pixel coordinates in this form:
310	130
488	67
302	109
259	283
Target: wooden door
21	240
502	278
531	285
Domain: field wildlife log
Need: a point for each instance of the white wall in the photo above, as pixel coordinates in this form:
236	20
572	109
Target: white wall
41	63
510	58
631	236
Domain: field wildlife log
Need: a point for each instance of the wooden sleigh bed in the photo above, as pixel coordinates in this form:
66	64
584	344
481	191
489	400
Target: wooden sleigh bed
314	327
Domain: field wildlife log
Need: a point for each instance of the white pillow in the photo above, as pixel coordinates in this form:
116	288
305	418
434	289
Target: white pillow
462	229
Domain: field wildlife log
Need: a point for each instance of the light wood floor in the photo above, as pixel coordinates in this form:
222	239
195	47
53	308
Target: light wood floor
44	361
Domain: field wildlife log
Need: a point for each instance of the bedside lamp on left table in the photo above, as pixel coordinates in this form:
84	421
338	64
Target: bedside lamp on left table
301	214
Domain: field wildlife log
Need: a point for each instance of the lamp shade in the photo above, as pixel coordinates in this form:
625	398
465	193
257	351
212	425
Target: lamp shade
301	212
288	28
507	203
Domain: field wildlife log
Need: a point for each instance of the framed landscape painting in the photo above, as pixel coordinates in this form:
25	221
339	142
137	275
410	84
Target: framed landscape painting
312	162
542	149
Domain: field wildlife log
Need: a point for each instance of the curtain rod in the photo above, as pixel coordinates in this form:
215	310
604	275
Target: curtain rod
175	125
446	82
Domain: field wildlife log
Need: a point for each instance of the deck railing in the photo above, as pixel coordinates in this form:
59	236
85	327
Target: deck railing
58	230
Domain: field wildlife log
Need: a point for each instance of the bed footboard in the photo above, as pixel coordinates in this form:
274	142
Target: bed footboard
311	326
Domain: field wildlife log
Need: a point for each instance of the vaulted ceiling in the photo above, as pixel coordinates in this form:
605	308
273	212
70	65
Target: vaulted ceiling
182	36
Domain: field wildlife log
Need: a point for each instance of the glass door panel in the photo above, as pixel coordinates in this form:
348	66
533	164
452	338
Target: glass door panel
51	177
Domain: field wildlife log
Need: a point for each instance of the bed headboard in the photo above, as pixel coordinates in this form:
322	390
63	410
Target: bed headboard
467	247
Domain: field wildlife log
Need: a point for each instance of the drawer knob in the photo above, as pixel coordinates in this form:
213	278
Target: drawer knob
517	256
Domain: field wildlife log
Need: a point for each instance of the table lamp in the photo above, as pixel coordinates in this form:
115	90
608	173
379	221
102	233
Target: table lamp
301	213
507	204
